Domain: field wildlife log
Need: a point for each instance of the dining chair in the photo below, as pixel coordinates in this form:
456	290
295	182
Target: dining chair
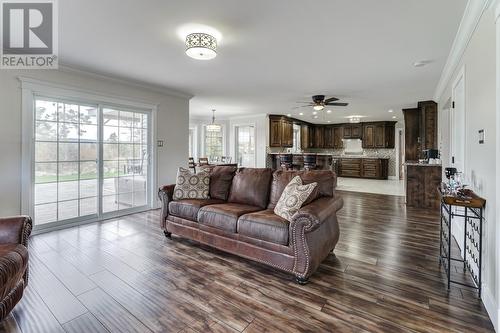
203	161
192	164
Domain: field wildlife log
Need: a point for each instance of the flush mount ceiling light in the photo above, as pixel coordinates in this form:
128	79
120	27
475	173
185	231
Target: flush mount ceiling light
201	46
213	127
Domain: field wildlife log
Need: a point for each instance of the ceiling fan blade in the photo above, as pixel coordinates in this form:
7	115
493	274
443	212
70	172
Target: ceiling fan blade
331	99
338	104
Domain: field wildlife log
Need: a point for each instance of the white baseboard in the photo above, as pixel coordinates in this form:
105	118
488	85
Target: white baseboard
491	306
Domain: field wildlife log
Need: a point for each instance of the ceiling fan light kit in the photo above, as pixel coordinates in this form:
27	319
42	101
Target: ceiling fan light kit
201	46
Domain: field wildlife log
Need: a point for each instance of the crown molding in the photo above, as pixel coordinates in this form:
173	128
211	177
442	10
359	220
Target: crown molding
496	4
473	12
124	81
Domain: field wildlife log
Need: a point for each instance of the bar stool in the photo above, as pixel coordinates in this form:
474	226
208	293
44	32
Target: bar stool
286	161
310	161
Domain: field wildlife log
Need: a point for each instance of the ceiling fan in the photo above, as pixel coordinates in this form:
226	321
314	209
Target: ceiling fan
319	102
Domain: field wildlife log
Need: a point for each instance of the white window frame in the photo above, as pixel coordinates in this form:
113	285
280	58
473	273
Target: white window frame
32	88
203	140
196	152
235	141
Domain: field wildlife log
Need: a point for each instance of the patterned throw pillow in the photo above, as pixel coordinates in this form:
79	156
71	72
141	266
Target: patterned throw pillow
190	185
292	198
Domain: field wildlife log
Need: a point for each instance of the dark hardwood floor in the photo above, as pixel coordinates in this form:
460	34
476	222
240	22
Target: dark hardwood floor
123	275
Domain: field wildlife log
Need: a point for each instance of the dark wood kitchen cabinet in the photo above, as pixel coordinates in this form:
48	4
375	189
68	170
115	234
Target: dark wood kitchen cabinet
422	182
319	132
353	131
338	133
379	134
306	137
375	168
328	141
428	124
421	125
280	131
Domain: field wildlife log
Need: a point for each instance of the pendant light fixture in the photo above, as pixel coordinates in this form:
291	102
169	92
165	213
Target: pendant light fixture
213	127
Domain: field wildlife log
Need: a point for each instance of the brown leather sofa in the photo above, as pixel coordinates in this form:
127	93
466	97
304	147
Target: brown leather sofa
239	218
14	234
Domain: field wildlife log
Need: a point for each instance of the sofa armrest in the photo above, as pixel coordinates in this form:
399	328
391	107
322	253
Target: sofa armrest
317	212
15	229
165	194
314	232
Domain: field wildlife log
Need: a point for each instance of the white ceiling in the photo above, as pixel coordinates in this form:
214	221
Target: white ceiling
272	53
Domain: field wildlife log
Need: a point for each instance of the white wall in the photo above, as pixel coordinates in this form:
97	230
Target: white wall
478	61
497	21
172	124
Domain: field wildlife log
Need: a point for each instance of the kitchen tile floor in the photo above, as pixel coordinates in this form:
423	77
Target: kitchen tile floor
389	187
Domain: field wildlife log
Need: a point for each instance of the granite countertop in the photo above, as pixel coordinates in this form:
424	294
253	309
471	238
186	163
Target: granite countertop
320	154
336	156
415	163
363	156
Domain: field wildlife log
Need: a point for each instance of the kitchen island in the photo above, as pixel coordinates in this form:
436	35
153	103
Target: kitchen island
357	166
422	183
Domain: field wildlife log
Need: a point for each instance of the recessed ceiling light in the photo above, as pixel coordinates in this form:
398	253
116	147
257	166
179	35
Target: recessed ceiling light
315	117
315	113
394	117
289	115
329	121
421	63
391	111
301	114
329	111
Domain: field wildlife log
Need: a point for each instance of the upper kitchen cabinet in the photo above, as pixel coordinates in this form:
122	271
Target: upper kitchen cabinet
328	141
280	131
379	134
421	125
306	136
428	124
338	134
353	131
319	136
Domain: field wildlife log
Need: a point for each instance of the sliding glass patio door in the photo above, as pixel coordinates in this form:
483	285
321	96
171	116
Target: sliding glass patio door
90	161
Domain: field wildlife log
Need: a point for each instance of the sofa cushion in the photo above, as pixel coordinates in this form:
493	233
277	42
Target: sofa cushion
326	180
221	178
264	225
13	264
224	216
190	185
188	208
251	187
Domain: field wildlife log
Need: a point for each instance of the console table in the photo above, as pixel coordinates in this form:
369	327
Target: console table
473	235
